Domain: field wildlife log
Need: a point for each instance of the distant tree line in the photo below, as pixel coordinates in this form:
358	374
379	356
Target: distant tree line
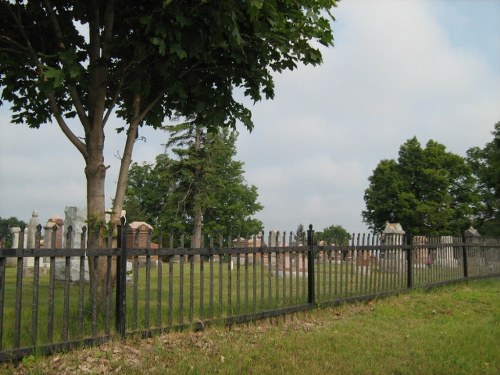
429	190
5	225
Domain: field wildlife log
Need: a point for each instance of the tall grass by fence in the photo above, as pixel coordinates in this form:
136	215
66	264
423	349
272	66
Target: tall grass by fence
50	305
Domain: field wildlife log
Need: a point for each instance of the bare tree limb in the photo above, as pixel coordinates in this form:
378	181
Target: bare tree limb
64	126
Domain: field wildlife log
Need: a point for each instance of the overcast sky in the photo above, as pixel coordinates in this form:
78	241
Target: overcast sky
399	68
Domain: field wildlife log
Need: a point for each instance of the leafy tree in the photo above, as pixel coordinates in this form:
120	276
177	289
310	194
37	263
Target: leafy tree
203	186
427	190
300	236
148	191
485	164
146	61
233	201
5	234
334	234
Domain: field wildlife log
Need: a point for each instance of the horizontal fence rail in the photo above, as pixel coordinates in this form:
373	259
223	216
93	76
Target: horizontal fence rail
58	298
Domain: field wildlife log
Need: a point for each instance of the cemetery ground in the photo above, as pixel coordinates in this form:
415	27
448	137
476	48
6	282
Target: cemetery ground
448	330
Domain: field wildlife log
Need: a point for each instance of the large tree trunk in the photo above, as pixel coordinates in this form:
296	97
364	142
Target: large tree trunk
198	223
95	172
198	211
196	239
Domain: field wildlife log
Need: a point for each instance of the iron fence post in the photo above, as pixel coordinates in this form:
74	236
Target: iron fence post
464	255
121	279
310	266
409	261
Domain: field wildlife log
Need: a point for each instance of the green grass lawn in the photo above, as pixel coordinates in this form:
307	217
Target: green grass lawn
205	294
450	330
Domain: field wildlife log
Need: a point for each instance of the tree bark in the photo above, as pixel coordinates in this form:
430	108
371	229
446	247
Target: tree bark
121	185
95	172
198	212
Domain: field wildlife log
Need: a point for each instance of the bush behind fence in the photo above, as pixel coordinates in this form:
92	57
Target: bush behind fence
51	300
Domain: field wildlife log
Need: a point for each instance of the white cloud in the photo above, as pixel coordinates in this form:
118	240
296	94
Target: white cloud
392	75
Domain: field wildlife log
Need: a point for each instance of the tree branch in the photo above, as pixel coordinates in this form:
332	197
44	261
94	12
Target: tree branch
75	97
141	115
11	41
64	127
119	88
113	102
55	24
109	17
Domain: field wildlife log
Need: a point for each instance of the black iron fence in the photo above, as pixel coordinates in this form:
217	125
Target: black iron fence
54	299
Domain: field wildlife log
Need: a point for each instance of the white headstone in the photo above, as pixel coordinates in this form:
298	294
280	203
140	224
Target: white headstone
76	217
32	229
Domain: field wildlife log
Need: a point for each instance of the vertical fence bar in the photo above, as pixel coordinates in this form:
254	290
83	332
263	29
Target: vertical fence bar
229	278
170	283
52	278
310	266
322	270
383	264
246	277
191	287
276	265
135	295
464	256
290	264
303	256
221	274
121	277
378	278
64	333
254	269
36	284
366	263
181	281
343	273
159	282
202	284
397	253
439	259
336	272
283	262
211	259
238	276
147	297
67	264
19	290
393	265
107	317
34	304
317	274
3	265
269	271
371	266
353	260
93	291
355	263
434	265
262	272
409	270
81	285
297	258
108	286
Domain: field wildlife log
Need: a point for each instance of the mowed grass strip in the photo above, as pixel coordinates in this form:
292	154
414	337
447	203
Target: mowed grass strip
450	330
